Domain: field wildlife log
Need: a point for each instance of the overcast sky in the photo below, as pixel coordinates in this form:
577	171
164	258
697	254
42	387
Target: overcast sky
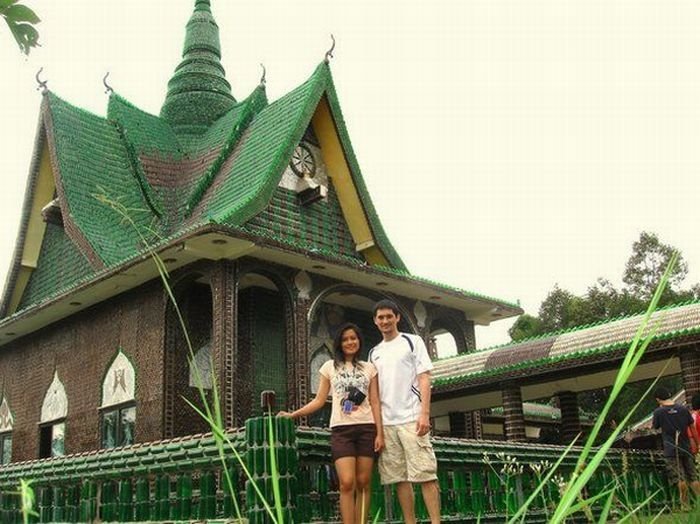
507	145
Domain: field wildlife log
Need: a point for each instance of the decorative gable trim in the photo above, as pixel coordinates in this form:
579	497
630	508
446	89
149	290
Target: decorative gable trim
44	182
348	196
6	419
119	384
55	406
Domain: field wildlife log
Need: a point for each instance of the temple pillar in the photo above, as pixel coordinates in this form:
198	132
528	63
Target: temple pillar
224	339
514	425
298	378
458	424
570	421
690	370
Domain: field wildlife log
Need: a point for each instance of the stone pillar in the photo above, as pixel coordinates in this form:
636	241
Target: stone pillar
474	428
298	377
513	411
690	371
465	424
570	421
224	338
458	424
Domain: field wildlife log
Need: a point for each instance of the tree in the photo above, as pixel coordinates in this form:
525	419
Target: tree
561	309
21	21
647	264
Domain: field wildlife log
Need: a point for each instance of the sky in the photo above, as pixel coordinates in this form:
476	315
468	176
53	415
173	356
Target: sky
507	145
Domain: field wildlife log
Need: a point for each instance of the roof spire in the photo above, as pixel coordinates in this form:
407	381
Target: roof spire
198	92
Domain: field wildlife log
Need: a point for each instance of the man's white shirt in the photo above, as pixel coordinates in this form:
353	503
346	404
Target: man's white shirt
398	363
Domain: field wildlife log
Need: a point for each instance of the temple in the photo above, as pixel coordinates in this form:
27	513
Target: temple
259	214
219	244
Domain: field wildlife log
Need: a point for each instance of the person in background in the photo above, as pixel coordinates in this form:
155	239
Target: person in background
674	420
404	366
695	412
357	434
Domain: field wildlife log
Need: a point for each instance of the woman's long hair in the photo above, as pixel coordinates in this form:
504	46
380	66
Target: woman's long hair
338	355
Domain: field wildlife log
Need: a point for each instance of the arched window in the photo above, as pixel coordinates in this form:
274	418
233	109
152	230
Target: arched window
6	423
52	427
201	368
322	355
118	407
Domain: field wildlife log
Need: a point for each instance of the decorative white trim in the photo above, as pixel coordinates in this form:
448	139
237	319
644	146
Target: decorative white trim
202	359
6	420
420	313
55	404
119	384
304	285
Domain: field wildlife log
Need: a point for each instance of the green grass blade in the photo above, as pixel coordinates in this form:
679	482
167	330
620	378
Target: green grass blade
627	365
640	506
221	434
377	515
272	441
659	514
579	482
522	512
587	503
607	506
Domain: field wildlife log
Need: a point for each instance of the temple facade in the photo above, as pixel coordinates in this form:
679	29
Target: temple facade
237	233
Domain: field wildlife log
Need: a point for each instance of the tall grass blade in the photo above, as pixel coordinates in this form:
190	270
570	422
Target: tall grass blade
277	497
626	368
577	484
587	503
219	433
522	512
27	500
640	506
607	506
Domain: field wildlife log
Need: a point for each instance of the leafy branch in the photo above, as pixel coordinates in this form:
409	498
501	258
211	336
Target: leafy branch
21	21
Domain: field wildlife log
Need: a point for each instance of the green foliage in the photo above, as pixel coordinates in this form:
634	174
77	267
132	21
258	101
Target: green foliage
646	266
21	21
561	309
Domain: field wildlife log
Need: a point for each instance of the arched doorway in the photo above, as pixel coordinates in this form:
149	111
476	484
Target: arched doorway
331	310
263	320
188	366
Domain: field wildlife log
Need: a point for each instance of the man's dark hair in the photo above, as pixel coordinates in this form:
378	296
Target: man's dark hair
695	401
662	393
386	304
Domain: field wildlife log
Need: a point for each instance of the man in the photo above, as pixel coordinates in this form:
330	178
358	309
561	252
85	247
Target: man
674	421
403	366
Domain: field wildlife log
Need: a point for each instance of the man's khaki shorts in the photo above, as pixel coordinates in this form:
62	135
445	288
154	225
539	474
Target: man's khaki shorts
406	456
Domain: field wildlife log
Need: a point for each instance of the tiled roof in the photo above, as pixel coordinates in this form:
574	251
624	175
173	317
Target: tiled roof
586	342
171	178
168	182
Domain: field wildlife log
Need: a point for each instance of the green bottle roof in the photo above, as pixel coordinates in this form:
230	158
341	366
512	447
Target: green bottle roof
198	92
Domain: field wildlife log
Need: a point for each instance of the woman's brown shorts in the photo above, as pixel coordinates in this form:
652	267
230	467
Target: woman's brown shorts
353	440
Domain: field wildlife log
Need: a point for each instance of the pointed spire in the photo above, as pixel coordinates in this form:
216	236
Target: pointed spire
198	92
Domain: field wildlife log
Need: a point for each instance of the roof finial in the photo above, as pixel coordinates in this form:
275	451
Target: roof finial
108	88
42	84
329	53
262	78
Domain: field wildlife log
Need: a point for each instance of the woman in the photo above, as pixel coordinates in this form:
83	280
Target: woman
357	434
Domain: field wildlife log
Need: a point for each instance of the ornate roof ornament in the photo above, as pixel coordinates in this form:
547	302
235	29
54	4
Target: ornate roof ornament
42	83
198	92
329	53
108	88
263	81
